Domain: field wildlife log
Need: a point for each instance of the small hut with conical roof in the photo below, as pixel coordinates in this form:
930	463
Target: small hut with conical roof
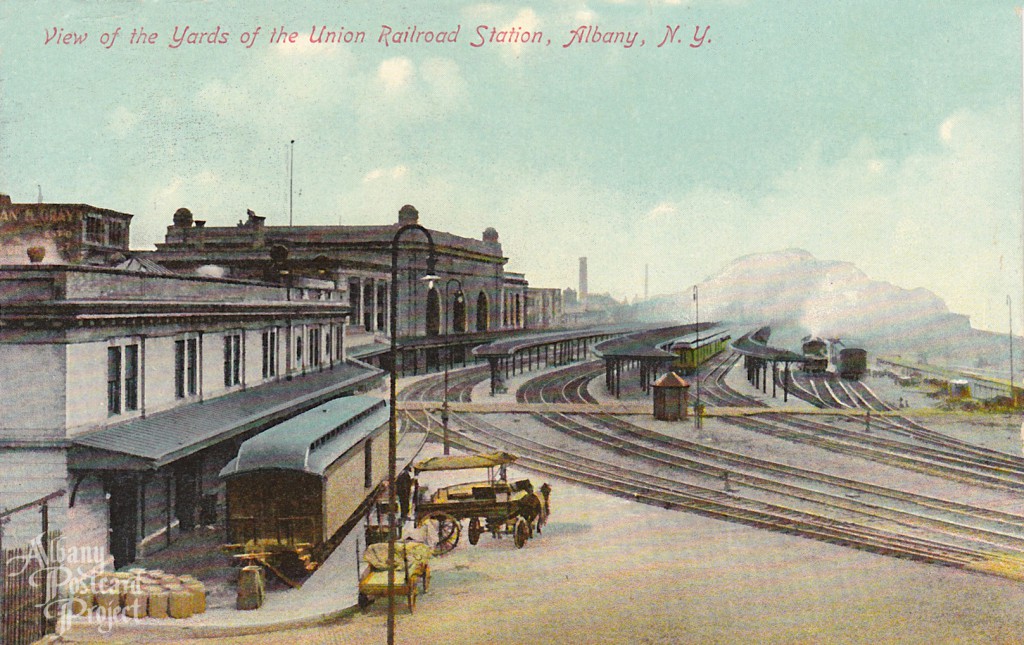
671	394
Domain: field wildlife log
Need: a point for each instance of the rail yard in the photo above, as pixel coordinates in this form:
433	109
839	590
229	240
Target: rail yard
707	528
963	524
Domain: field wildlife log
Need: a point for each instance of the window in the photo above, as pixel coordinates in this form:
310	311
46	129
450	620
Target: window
131	377
270	353
232	360
94	230
114	380
368	463
314	346
117	234
298	349
185	368
328	347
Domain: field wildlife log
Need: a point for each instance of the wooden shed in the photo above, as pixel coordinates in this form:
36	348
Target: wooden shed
671	393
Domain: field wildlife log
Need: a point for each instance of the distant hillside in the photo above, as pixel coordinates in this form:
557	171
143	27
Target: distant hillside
801	295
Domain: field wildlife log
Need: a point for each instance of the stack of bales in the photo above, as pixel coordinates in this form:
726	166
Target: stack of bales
139	593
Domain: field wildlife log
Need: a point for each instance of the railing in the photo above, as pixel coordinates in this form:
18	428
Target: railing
29	579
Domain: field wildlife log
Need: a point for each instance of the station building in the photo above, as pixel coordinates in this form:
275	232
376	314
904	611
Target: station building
358	260
49	232
132	378
130	389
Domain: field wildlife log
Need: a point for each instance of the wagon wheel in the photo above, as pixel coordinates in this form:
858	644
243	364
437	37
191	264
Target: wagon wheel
521	533
475	530
440	532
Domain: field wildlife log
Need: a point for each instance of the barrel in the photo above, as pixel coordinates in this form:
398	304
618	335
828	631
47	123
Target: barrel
179	604
136	603
81	604
108	600
158	601
198	591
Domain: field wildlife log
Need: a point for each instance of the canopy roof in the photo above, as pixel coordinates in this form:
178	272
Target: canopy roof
672	380
465	462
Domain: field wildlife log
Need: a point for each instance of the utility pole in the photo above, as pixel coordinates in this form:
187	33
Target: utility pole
697	409
291	180
1009	307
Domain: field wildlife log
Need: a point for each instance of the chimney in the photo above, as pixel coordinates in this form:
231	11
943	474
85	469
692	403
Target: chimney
583	280
647	275
200	226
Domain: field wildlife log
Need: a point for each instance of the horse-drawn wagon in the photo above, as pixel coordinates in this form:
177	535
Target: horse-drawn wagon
494	505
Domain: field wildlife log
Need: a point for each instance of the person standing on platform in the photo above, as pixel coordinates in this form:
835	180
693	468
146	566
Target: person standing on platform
403	489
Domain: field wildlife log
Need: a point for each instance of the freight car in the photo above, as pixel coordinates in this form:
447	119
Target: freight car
853	362
815	352
293	488
694	349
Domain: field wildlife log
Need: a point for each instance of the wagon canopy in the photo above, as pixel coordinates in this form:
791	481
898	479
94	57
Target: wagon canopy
465	462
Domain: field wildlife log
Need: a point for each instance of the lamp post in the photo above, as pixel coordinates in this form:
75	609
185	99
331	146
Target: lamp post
696	364
447	356
393	420
1009	307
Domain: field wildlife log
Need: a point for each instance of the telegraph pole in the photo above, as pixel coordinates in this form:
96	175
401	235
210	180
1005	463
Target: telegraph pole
291	180
1009	307
696	363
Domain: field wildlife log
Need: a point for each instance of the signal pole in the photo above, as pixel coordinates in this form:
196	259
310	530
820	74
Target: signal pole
291	180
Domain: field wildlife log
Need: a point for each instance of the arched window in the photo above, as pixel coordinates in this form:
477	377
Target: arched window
459	313
433	313
483	314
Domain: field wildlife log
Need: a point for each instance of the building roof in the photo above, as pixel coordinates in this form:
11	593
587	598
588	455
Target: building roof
643	344
672	380
754	344
505	348
165	437
708	335
143	265
311	441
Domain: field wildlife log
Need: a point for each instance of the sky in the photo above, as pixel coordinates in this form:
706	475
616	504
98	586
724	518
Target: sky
886	134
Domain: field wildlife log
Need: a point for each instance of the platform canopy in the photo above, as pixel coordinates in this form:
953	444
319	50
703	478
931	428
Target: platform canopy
465	462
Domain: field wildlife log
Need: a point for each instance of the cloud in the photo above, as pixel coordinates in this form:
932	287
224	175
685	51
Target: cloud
946	218
395	73
122	122
404	92
394	172
662	211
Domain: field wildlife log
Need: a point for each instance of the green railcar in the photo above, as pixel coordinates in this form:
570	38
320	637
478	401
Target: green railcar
694	350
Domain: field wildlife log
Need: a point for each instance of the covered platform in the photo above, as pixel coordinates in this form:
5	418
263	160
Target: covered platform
642	349
165	464
757	354
506	357
423	355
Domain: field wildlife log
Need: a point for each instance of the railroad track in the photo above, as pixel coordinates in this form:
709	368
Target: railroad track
951	459
621	436
776	496
906	432
670	494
